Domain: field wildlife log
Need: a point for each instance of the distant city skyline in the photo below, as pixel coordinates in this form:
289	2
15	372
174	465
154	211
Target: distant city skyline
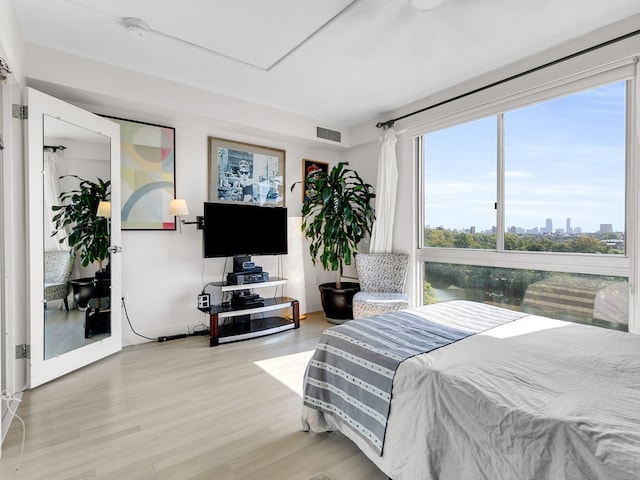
538	230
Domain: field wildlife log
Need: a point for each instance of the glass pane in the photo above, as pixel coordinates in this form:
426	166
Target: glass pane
565	174
460	186
590	299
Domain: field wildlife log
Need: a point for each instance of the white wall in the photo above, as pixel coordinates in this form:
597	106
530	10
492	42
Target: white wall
163	271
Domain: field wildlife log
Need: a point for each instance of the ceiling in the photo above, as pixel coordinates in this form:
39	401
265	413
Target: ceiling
341	62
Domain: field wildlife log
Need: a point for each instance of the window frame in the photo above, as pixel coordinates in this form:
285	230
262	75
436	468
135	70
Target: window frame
617	265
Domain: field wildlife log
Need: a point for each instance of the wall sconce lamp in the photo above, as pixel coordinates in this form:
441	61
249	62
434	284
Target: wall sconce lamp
104	211
178	208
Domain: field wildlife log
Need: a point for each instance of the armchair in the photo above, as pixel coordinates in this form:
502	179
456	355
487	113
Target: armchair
57	272
382	278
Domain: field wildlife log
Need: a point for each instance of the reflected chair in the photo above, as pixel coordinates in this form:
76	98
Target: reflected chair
382	278
57	272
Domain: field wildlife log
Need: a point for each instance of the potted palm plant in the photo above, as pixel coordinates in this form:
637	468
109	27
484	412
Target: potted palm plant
86	233
336	216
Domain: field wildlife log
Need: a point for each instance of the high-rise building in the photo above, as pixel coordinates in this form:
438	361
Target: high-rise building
568	229
606	228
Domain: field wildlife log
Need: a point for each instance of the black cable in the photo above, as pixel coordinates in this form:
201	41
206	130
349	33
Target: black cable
126	314
202	331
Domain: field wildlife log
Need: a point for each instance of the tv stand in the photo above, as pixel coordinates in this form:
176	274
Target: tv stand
231	322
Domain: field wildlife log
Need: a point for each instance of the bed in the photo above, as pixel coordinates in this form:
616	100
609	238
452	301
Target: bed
515	398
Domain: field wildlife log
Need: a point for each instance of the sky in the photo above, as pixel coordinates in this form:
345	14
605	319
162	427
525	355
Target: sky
564	158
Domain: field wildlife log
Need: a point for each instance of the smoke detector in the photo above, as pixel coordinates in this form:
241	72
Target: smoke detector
136	27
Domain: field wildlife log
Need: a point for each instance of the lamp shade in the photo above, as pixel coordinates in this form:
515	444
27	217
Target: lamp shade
178	207
104	209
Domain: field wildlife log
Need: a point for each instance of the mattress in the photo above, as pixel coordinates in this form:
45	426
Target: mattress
532	399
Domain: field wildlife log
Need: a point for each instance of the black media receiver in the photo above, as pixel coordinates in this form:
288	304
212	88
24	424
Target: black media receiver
244	278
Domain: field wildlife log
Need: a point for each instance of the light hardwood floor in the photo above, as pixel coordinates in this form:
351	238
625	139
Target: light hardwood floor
182	410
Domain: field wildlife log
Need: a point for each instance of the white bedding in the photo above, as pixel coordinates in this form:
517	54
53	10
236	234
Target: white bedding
534	399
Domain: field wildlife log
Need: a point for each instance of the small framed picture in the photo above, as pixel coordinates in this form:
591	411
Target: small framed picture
309	169
245	173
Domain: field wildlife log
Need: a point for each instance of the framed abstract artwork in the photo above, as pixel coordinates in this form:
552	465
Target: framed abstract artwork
309	169
245	173
148	175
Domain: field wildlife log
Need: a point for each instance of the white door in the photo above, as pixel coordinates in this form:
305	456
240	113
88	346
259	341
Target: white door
64	140
3	380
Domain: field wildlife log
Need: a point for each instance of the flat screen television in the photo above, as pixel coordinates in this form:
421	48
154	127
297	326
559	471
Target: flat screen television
232	229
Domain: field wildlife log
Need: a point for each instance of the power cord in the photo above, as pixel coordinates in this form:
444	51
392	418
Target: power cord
202	331
10	397
126	314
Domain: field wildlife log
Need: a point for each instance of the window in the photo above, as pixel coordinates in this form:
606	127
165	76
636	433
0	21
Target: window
526	208
564	177
590	299
565	173
460	186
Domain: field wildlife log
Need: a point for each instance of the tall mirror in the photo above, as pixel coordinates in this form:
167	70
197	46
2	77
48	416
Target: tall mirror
73	239
77	173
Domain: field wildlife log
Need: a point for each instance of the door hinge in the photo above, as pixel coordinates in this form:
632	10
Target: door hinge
21	112
23	351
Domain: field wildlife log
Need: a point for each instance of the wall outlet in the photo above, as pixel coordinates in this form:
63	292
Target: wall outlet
204	301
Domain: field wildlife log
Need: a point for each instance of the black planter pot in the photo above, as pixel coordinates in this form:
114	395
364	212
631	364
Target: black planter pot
337	303
82	291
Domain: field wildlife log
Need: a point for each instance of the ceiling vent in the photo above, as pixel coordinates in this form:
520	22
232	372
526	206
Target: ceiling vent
327	134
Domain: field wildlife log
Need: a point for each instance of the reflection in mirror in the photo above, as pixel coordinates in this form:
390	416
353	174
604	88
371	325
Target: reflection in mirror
76	166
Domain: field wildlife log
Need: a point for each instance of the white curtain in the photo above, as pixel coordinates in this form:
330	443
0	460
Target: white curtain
51	193
382	233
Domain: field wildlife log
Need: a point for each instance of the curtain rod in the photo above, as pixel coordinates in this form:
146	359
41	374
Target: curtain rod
55	147
390	123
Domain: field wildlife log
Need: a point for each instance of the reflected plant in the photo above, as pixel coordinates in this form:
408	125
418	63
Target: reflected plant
86	233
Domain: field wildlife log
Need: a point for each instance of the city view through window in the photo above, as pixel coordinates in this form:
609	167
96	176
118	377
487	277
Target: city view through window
561	165
564	177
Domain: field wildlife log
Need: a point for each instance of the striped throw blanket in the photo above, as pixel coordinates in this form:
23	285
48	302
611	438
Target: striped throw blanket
351	372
